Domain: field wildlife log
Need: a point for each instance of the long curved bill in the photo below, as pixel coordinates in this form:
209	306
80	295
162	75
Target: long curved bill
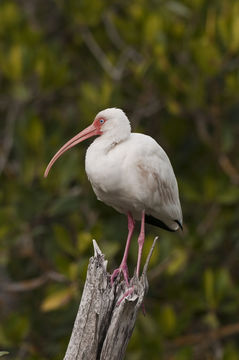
83	135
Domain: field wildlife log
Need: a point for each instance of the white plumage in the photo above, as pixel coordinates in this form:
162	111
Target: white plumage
130	172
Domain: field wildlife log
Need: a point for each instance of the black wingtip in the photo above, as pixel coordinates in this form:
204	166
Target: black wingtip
149	219
179	224
156	222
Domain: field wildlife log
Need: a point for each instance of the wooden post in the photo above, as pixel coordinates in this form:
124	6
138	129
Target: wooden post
106	317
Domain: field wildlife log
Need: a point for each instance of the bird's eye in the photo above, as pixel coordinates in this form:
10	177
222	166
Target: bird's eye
102	121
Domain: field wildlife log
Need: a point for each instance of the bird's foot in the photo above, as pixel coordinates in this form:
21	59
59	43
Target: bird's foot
127	293
122	269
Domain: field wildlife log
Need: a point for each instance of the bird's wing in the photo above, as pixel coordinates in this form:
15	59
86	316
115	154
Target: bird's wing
159	185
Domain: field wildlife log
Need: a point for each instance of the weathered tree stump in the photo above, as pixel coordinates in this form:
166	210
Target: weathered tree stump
106	317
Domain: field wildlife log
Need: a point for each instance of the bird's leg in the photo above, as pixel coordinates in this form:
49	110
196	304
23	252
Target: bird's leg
123	266
140	242
140	248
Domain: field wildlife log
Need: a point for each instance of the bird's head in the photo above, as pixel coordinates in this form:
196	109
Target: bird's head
114	124
111	123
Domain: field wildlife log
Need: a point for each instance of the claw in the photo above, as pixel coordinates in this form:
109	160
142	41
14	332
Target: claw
127	293
114	275
122	269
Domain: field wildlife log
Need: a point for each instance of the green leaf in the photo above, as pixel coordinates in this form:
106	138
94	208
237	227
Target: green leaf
84	241
168	319
229	196
14	329
223	283
178	262
209	287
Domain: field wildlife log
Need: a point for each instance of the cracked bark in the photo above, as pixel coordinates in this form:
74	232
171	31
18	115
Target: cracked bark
103	326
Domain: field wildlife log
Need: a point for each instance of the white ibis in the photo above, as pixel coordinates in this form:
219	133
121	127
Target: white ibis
131	173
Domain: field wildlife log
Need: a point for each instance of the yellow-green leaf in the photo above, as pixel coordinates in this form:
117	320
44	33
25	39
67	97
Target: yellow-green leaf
209	287
57	299
179	259
168	319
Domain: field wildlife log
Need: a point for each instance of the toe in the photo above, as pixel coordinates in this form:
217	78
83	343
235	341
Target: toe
114	275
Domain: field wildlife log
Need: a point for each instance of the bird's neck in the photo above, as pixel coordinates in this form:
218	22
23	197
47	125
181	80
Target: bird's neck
105	144
107	141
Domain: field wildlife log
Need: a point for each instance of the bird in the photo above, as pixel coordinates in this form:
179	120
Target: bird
131	173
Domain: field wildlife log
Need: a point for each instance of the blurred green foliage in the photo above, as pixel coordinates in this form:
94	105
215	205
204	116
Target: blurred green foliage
173	66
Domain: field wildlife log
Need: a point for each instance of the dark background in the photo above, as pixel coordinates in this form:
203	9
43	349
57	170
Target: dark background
173	67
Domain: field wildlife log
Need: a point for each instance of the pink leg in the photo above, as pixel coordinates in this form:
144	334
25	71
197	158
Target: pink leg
123	266
140	242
